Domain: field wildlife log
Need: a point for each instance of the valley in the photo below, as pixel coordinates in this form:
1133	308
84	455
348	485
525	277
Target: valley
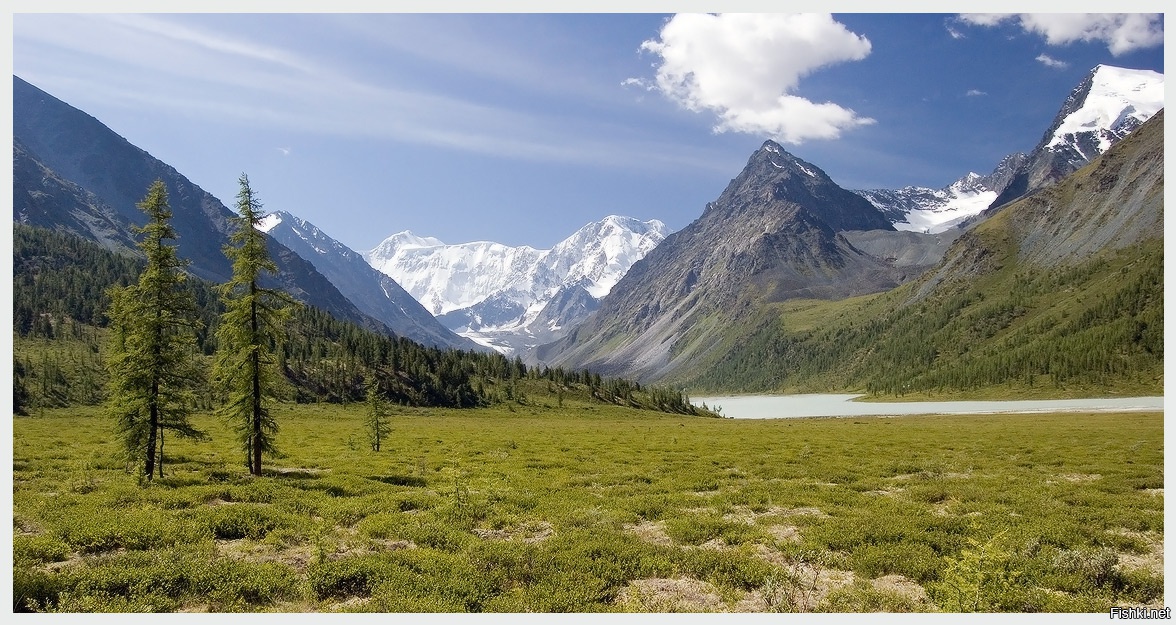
482	427
590	508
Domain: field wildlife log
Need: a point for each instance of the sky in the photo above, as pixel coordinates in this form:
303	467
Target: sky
521	127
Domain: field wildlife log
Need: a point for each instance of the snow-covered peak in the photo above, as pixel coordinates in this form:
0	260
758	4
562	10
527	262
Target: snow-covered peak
1119	100
970	184
598	255
269	222
484	286
921	209
406	239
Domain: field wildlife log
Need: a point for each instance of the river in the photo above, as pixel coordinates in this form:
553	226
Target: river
840	405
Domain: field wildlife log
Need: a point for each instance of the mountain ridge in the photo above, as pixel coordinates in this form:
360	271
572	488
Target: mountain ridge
501	295
374	293
114	175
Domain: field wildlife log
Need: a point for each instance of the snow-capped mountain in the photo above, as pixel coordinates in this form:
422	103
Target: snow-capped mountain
920	209
1107	105
497	294
1115	102
371	291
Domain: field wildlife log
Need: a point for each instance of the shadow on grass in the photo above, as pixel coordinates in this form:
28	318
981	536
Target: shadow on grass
293	474
399	480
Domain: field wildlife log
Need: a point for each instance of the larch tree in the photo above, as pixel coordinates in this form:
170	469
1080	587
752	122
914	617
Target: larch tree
250	328
376	421
153	362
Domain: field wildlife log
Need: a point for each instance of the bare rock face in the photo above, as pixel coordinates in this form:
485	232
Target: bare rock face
772	235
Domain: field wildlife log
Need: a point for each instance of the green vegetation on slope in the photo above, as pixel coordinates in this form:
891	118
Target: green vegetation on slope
60	286
1087	328
597	508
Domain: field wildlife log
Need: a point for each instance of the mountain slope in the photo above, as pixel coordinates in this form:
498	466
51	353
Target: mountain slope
1059	293
113	176
42	198
771	235
514	298
1105	107
372	292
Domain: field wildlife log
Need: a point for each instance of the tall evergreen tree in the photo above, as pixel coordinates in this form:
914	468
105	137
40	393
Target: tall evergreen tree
376	421
249	329
153	362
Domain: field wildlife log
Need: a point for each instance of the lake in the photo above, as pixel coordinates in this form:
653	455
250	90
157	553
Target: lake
840	405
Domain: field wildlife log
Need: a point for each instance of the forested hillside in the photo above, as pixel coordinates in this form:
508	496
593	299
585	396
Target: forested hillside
1063	290
60	297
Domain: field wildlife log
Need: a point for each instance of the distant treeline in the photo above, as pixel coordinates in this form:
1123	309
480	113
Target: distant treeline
60	284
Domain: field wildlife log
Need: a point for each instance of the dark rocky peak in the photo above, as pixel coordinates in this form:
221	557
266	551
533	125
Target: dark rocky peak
774	161
778	182
1004	172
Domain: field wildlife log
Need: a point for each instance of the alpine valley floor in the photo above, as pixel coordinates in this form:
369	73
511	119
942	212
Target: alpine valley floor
585	507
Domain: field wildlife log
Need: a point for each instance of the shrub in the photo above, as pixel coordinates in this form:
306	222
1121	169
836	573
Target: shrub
231	522
34	590
979	580
914	560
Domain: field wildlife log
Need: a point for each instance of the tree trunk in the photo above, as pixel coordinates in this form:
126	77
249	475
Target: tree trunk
152	424
256	468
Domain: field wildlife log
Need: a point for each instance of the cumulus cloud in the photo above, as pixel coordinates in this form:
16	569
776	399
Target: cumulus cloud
1121	32
745	68
1049	61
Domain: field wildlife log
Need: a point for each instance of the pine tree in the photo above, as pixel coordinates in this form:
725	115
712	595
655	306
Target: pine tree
249	328
153	362
376	422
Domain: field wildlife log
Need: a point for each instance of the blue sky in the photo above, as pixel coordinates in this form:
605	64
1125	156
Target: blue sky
522	127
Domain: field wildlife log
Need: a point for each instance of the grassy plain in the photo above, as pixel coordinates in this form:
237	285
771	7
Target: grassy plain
588	507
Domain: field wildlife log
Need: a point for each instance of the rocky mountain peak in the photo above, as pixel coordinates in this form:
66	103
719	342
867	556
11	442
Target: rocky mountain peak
778	180
1100	111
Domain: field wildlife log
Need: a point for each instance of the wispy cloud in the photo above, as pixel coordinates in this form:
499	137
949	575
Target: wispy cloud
1121	32
975	92
1049	61
744	68
198	70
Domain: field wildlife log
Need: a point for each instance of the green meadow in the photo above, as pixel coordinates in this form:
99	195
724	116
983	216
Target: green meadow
586	507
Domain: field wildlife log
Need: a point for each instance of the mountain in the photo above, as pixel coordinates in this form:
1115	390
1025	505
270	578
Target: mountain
73	173
1105	107
513	298
773	234
1060	292
42	198
374	293
920	209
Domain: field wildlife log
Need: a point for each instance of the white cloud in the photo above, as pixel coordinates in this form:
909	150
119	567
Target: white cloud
195	70
975	92
1049	61
1121	32
744	67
